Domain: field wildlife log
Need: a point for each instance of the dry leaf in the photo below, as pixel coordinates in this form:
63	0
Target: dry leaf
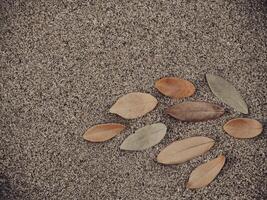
175	87
243	128
183	150
103	132
227	93
145	137
205	173
134	105
195	111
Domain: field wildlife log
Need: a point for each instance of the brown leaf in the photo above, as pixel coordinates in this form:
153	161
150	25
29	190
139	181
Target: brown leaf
175	87
183	150
103	132
195	111
134	105
243	128
205	173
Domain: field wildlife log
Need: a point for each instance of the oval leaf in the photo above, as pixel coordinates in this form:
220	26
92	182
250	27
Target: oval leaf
227	93
243	128
145	137
205	173
103	132
184	150
195	111
175	87
134	105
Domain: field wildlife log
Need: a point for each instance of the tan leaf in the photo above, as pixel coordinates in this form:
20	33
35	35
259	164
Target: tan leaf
175	87
103	132
205	173
183	150
134	105
243	128
195	111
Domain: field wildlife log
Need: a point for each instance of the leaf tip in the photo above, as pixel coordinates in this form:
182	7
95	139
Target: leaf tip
160	160
122	147
111	110
212	142
208	75
167	110
221	157
245	110
86	136
189	185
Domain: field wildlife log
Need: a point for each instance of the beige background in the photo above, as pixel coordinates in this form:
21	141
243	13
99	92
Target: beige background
64	63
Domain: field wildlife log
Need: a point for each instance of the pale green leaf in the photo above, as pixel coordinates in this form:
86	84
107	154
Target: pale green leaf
227	93
145	137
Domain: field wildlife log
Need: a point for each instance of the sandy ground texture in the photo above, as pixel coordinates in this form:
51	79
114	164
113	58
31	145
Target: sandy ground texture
65	62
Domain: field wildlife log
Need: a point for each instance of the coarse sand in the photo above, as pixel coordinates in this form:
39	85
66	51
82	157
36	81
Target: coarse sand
64	63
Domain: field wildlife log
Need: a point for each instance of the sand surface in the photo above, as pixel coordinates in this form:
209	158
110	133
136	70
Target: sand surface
64	64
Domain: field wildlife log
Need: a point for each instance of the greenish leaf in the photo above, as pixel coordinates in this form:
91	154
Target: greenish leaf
145	137
227	93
